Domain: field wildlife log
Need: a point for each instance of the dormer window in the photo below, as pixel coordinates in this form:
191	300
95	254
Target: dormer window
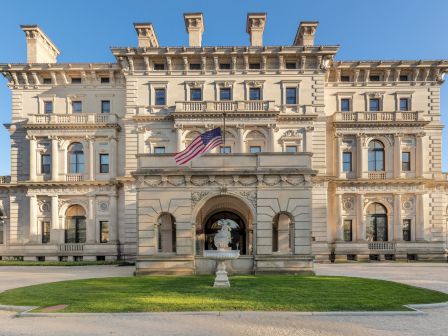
254	66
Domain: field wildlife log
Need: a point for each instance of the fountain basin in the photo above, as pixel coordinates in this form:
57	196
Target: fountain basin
221	255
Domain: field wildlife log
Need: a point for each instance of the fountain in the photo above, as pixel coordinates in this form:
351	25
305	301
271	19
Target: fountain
223	252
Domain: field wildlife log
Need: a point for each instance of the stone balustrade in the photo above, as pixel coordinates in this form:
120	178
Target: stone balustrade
78	118
378	116
74	177
378	175
5	179
225	106
71	247
382	246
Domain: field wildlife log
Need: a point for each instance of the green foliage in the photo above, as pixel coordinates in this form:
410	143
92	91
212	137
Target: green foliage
195	293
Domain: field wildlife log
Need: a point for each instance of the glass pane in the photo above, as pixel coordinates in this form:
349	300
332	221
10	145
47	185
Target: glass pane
225	150
195	94
347	230
374	105
159	150
160	97
254	94
224	94
370	228
291	149
104	227
48	106
381	228
345	105
70	231
404	104
104	158
291	96
77	107
224	66
347	161
105	106
81	230
255	149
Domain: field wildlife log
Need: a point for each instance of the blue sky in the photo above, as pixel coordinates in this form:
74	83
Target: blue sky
84	31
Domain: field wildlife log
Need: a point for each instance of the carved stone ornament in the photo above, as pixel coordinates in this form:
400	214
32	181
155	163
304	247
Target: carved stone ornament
292	134
348	203
251	196
408	204
103	206
195	84
44	206
196	196
254	83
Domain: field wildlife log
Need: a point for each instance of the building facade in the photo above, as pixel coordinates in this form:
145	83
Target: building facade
323	159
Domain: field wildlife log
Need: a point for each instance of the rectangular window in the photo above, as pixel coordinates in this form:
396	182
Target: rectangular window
48	106
77	106
225	150
404	78
255	149
345	78
254	66
104	232
291	96
159	66
254	94
105	80
160	96
348	236
347	161
374	78
105	106
406	161
225	94
195	66
76	80
45	166
374	105
104	163
195	94
291	65
45	232
406	229
159	150
404	104
224	66
47	80
291	149
345	105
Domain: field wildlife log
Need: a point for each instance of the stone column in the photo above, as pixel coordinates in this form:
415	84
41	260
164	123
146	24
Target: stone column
419	158
419	218
34	231
397	234
140	140
397	156
360	157
240	139
33	166
178	139
338	156
91	159
360	225
54	159
113	222
338	219
91	225
56	232
113	157
271	140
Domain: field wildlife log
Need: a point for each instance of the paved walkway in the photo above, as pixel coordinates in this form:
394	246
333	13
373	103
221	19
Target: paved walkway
434	323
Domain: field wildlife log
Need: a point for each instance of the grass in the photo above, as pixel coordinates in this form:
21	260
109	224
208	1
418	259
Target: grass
195	293
62	263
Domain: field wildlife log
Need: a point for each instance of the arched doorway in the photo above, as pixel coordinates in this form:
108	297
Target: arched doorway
238	234
224	207
376	229
75	224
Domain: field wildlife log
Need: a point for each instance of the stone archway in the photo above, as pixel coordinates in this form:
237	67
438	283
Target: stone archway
224	206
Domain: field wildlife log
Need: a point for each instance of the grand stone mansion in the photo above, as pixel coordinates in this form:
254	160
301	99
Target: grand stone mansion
323	160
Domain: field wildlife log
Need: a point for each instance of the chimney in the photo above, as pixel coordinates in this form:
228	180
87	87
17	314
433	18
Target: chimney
255	27
194	23
305	33
39	48
146	35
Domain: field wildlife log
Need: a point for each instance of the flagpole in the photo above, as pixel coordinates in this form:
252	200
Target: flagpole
224	137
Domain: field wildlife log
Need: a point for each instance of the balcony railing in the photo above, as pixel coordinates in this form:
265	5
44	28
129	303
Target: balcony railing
382	246
5	179
378	175
225	106
74	177
71	247
79	118
378	116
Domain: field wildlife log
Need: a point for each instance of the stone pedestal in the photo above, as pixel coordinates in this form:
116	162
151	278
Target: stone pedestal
221	279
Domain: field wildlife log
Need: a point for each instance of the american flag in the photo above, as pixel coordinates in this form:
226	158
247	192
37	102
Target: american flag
201	144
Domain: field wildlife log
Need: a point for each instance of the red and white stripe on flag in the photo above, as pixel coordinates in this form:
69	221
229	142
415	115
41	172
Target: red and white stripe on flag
200	145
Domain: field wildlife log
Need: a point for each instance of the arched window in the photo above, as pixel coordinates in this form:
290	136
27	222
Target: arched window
238	233
376	229
256	142
376	156
282	234
167	233
75	158
75	224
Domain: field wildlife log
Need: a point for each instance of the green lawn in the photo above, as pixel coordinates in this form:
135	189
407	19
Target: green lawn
62	263
195	293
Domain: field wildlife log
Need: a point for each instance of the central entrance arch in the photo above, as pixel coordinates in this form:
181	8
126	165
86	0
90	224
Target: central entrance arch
224	207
